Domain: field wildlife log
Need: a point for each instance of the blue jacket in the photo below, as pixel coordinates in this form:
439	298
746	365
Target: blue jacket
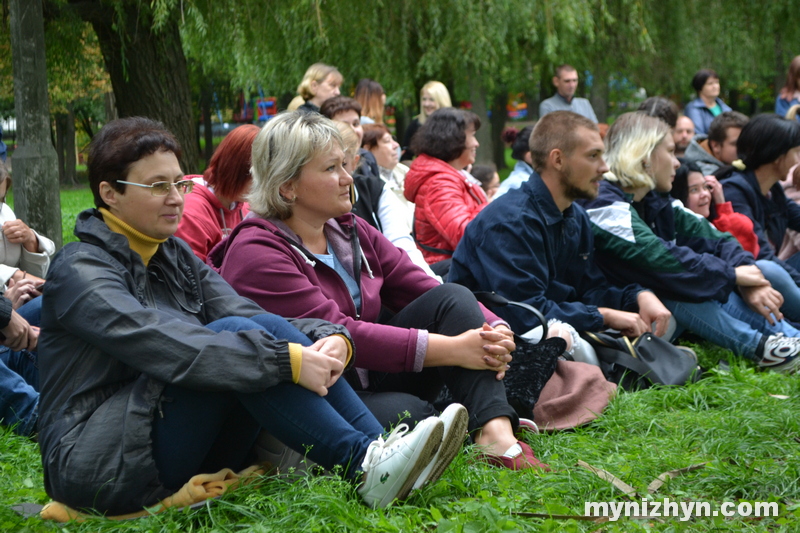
771	216
522	247
701	115
782	106
663	246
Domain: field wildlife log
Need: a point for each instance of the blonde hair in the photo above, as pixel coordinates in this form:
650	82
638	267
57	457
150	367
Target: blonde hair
349	138
296	102
281	149
439	93
317	72
630	141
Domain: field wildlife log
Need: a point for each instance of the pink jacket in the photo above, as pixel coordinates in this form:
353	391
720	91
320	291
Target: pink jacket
205	221
445	203
266	262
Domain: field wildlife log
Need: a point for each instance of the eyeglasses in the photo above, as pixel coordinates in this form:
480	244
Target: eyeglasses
162	188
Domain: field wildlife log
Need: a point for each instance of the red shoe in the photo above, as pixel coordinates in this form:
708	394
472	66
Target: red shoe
521	461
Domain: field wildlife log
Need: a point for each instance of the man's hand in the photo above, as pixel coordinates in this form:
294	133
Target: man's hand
629	324
764	300
19	335
653	311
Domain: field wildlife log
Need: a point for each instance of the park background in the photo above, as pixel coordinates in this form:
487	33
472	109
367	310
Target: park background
187	63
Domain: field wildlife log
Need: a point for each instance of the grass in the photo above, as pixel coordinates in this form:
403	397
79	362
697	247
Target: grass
743	424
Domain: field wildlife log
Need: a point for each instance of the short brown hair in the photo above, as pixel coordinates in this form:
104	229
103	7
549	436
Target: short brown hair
121	143
339	104
556	130
564	68
373	133
718	130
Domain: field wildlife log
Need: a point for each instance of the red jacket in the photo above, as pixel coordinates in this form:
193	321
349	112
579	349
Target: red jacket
205	222
445	203
738	225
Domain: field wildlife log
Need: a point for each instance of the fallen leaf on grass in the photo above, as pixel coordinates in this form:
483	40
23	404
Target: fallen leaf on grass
672	474
779	396
629	491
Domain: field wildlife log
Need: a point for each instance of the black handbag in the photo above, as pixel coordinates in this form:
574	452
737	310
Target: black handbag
644	361
532	364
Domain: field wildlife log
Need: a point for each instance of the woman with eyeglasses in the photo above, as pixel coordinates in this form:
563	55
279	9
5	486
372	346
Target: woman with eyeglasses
154	370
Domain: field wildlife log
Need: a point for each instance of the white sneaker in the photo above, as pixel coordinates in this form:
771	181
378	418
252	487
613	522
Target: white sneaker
455	420
392	466
781	354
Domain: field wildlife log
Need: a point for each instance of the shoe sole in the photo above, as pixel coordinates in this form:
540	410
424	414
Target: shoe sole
789	367
451	444
422	455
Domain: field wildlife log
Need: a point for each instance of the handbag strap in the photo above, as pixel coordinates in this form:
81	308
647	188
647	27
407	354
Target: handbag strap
492	299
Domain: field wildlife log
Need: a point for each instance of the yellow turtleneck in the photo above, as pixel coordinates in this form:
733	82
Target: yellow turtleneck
140	243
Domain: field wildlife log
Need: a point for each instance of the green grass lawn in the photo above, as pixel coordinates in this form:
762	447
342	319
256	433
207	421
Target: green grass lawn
742	424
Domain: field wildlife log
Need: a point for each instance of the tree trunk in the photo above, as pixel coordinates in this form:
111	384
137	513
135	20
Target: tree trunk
599	94
70	156
478	97
36	194
147	68
110	104
205	107
61	133
499	114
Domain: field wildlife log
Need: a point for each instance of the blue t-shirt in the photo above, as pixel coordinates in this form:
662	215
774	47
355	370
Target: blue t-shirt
332	261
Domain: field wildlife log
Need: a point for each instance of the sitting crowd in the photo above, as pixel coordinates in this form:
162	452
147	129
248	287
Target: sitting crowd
315	288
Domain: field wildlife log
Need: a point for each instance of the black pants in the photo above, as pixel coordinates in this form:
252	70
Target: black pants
450	310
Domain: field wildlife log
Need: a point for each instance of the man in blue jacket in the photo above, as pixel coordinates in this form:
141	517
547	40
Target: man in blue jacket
534	245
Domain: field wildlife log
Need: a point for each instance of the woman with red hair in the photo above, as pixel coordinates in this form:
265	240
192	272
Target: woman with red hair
217	204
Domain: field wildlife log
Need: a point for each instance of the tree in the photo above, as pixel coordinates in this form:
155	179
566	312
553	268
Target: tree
37	199
143	55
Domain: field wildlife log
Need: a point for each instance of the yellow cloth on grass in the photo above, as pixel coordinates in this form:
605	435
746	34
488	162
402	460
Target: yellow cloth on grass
200	488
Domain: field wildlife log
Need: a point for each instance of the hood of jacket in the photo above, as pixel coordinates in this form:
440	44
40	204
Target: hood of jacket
423	168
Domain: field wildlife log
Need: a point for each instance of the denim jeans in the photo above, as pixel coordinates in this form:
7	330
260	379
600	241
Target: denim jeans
731	325
783	283
19	379
202	431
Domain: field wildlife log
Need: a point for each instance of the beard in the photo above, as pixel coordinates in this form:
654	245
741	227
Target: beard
573	191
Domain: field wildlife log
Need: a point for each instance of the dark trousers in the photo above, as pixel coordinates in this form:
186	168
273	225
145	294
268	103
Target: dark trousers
450	310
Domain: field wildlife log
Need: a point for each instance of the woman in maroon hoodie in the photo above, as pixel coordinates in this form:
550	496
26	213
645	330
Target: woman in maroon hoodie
446	197
302	252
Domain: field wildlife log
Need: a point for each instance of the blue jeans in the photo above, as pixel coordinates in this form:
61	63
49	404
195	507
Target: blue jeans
201	431
732	325
19	379
783	283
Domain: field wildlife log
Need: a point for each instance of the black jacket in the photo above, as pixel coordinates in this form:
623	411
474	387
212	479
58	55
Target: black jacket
114	333
771	215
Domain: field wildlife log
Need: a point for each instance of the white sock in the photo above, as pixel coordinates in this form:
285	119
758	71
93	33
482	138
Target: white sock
514	451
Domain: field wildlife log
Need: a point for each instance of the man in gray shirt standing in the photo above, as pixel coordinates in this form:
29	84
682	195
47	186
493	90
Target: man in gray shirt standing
566	82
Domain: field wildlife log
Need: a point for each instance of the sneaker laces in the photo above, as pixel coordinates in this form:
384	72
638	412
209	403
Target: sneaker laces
376	447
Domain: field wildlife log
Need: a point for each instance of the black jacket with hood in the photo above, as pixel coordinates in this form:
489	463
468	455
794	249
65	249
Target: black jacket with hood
114	333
